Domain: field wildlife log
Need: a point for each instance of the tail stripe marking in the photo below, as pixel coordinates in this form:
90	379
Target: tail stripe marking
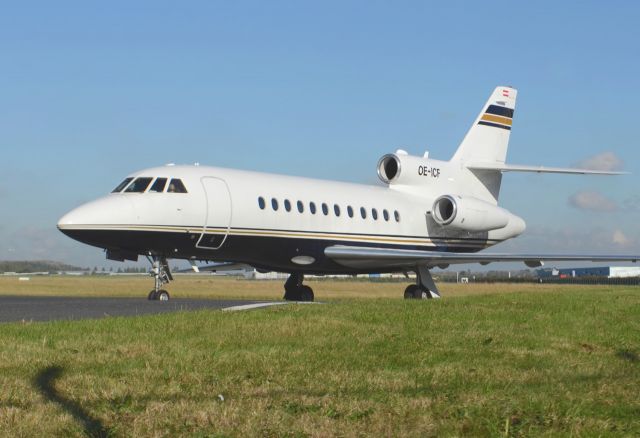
496	119
495	125
500	111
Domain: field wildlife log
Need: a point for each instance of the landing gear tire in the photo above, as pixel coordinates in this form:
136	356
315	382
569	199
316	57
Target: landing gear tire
160	295
425	288
411	292
294	290
306	293
415	292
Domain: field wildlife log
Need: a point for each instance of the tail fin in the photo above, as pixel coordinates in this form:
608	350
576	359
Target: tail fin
487	142
488	138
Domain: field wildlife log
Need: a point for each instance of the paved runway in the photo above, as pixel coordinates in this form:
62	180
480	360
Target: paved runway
22	308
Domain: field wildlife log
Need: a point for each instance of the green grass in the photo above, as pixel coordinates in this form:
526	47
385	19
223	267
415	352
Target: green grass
564	362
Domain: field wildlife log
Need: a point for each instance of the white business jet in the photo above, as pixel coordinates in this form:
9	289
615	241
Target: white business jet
430	213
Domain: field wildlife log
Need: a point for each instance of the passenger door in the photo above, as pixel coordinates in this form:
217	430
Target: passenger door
218	213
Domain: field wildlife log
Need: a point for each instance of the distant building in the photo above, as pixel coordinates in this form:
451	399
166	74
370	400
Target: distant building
602	272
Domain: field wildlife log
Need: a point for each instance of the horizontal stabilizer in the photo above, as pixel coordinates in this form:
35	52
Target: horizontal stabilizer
538	169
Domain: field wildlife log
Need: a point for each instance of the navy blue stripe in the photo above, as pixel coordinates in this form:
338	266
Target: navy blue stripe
500	111
495	125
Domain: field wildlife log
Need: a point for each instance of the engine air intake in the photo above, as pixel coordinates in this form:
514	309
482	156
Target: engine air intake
444	210
389	168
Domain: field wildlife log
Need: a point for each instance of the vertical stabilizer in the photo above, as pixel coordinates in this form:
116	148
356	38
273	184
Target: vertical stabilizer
488	138
487	141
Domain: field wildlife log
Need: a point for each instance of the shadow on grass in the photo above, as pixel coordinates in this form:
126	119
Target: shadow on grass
45	382
629	355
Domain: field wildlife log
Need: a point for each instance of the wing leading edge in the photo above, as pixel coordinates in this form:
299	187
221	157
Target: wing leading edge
364	258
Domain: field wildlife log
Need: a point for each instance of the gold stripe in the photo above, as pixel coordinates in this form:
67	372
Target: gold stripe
497	119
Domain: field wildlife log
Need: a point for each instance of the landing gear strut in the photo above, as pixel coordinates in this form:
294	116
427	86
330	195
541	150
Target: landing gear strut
161	275
424	288
294	290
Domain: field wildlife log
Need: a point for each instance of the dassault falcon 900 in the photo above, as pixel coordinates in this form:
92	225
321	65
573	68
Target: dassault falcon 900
430	213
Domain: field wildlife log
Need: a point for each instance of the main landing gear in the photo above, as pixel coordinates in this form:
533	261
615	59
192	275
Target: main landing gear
294	290
424	288
161	275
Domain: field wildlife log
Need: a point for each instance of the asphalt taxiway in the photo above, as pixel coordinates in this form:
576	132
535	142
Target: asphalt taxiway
33	308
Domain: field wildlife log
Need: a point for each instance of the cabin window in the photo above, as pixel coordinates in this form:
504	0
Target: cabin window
122	185
261	203
336	210
374	214
300	206
158	185
396	215
363	212
312	207
287	205
274	204
385	214
325	209
176	186
139	185
349	211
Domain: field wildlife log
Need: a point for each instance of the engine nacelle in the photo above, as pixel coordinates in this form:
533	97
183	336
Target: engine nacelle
470	214
402	168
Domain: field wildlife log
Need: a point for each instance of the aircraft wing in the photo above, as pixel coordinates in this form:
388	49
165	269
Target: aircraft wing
363	258
218	267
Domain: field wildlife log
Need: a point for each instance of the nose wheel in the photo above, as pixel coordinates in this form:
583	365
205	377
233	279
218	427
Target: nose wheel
158	295
161	276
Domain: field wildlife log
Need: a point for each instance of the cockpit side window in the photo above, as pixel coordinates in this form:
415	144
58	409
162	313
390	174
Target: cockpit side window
139	185
158	185
176	186
122	185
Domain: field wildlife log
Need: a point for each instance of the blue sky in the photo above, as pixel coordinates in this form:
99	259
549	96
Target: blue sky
92	91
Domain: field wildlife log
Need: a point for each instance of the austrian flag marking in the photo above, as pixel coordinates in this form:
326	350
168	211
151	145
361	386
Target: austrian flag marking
505	93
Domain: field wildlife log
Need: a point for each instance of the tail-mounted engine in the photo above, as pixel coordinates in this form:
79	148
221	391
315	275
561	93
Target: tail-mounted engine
402	168
470	214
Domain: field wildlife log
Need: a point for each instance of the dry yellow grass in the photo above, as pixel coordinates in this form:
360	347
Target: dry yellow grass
201	286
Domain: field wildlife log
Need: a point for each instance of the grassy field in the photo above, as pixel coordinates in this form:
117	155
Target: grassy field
490	360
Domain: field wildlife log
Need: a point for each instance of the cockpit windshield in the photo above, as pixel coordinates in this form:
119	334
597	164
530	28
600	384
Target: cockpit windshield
139	185
158	185
122	185
176	186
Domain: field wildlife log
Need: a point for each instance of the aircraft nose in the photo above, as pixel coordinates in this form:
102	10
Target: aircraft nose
68	219
83	215
88	222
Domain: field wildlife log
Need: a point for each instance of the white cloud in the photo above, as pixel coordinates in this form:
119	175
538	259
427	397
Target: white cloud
572	240
591	200
607	161
620	239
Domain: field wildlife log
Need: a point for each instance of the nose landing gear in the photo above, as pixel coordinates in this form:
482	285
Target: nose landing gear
161	275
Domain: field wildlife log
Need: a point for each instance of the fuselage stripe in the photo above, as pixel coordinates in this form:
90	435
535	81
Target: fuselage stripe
315	235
